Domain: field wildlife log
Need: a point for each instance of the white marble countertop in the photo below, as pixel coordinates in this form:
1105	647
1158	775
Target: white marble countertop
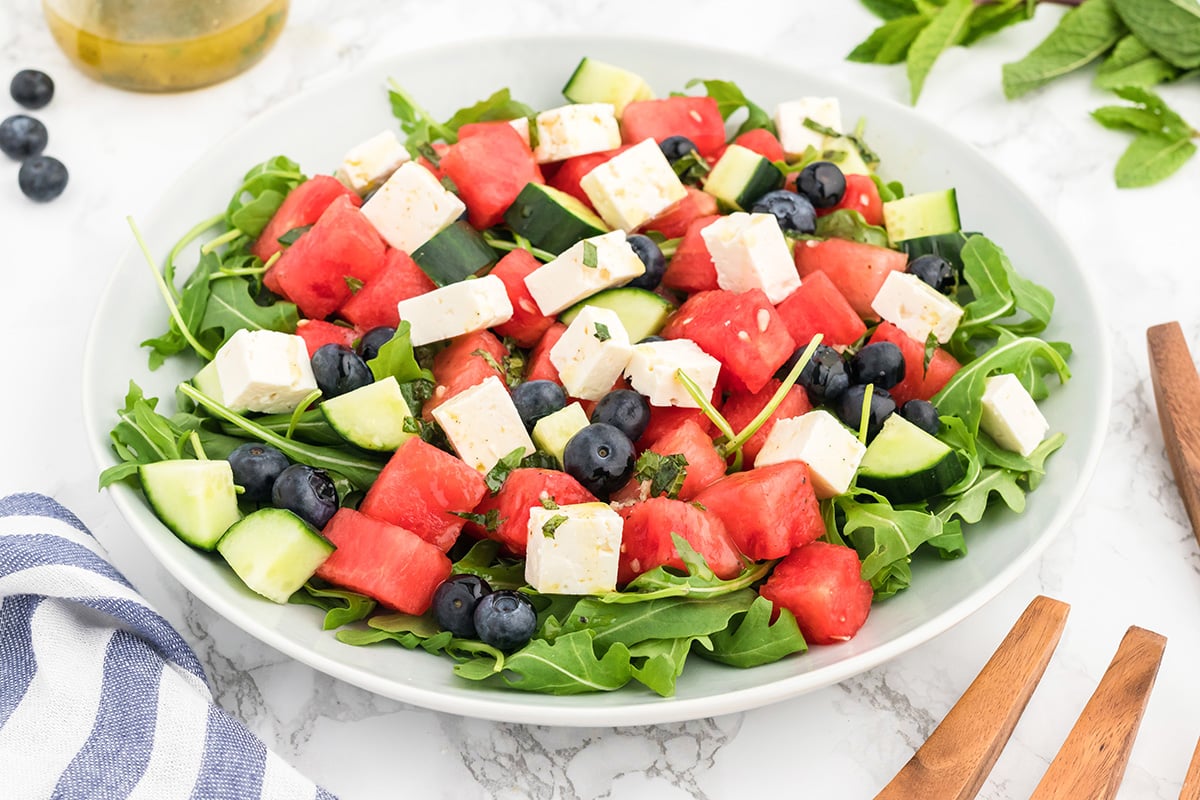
1128	557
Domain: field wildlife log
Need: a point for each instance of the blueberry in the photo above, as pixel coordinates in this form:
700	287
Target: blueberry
307	492
823	183
600	457
824	377
505	619
850	408
31	88
794	212
652	257
454	603
676	147
880	363
22	136
42	178
923	414
338	370
934	270
537	399
255	468
626	410
372	340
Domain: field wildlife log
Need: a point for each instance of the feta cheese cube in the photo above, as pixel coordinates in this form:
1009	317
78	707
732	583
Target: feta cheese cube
483	425
592	353
583	269
794	135
411	207
372	162
521	126
575	130
573	549
750	252
633	187
916	308
817	438
1011	416
653	369
463	307
264	371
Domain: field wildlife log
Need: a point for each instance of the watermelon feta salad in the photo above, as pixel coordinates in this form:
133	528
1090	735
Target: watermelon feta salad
570	395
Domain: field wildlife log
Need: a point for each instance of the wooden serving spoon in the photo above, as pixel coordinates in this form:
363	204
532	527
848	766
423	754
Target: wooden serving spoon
1191	781
1177	393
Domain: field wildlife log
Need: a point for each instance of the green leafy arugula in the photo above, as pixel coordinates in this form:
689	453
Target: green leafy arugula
846	223
753	639
730	99
422	128
341	606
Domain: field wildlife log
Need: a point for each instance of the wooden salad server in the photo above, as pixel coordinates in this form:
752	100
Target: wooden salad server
1177	393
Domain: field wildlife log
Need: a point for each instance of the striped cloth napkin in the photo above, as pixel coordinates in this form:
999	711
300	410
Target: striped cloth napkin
99	696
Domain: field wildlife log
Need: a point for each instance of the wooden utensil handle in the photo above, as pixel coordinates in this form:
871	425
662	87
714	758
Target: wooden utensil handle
1191	781
1177	394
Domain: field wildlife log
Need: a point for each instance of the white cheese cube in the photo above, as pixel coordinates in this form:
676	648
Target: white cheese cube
1011	416
463	307
521	126
794	135
573	549
583	269
653	369
633	187
264	371
372	162
750	252
575	130
411	207
817	438
483	425
916	308
592	353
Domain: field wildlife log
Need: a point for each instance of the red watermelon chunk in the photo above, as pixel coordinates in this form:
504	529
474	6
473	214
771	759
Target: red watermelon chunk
490	168
741	408
768	511
540	368
375	303
571	171
458	367
856	269
822	585
691	269
920	382
317	332
664	419
522	490
818	307
646	540
528	323
304	205
418	488
675	221
704	463
763	142
384	561
862	195
697	118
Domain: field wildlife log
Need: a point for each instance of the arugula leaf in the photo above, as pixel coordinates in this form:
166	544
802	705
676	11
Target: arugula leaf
699	580
483	560
498	474
1132	63
658	663
753	639
1170	28
665	474
890	42
499	106
730	99
396	358
231	308
889	190
691	168
1083	35
846	223
141	436
341	606
663	618
945	30
276	176
193	300
566	666
885	538
253	216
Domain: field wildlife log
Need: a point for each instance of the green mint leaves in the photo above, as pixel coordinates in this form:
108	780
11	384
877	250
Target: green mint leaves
1162	139
1083	35
730	99
602	333
666	474
553	524
591	255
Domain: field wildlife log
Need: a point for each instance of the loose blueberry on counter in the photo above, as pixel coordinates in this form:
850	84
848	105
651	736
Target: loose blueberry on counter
537	399
823	183
22	136
372	340
600	457
824	377
338	370
676	147
454	603
307	492
505	619
42	178
934	270
626	410
923	414
880	363
255	468
31	88
651	256
850	406
793	211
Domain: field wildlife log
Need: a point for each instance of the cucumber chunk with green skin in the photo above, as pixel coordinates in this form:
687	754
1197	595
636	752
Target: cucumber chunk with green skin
597	82
195	499
207	381
741	176
552	432
926	214
552	220
371	417
274	552
642	312
906	464
454	254
847	156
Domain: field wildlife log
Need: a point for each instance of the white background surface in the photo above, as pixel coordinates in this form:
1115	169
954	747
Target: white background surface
1127	559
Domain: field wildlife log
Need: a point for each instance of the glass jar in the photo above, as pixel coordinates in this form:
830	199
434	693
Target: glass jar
164	45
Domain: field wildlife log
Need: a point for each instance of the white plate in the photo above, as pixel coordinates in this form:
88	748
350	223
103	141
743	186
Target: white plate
318	126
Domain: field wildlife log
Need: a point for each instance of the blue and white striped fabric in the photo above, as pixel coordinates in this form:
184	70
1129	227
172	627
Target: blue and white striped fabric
99	696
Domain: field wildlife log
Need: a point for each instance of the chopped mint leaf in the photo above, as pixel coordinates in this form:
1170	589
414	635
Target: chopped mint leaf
665	473
291	236
602	332
498	474
490	359
490	521
548	502
591	256
553	524
354	283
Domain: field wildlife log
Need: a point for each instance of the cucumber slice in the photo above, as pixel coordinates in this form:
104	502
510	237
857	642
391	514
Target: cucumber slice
850	160
371	417
741	176
905	464
927	214
274	552
209	382
552	220
641	311
552	432
597	82
195	499
454	254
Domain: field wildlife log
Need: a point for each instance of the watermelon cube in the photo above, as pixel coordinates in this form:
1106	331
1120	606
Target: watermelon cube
856	269
768	511
470	359
697	118
646	542
539	367
741	408
528	323
303	205
490	168
375	303
691	269
920	382
522	490
822	585
317	333
818	307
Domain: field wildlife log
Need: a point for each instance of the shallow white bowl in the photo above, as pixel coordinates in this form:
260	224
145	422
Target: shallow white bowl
317	127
